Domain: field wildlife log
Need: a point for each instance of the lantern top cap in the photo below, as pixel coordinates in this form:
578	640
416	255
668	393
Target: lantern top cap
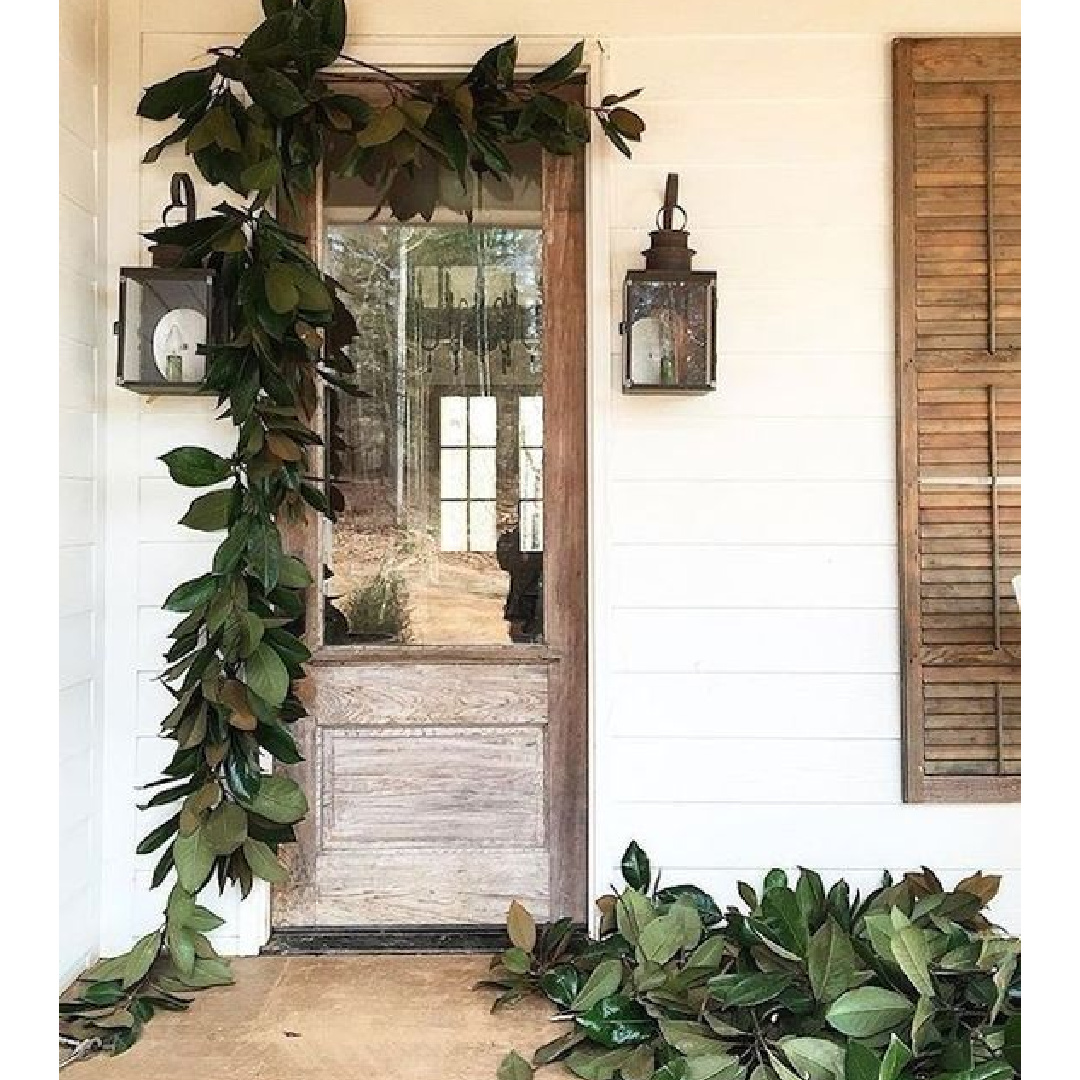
668	246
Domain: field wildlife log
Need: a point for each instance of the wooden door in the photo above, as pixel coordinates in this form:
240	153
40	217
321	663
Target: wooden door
446	765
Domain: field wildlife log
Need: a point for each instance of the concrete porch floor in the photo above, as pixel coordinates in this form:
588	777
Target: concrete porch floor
340	1017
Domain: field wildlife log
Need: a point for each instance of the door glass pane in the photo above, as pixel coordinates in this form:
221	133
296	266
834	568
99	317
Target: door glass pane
436	472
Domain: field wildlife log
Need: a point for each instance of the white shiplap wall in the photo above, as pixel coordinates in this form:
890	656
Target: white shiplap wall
80	487
745	652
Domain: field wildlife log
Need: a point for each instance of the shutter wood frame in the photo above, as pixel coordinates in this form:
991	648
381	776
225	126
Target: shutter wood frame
977	675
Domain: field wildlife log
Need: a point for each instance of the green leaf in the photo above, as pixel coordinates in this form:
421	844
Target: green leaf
896	1057
210	512
194	860
814	1058
661	939
561	69
156	837
633	912
558	1048
263	862
748	989
384	125
181	945
226	828
561	984
266	675
596	1063
909	947
279	742
627	123
293	574
280	800
868	1011
781	912
275	92
191	594
691	1038
281	293
832	963
1011	1049
143	953
264	553
176	94
521	927
514	1067
617	1021
194	466
860	1062
635	867
706	906
605	980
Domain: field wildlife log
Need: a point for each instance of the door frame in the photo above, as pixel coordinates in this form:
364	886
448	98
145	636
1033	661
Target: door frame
574	829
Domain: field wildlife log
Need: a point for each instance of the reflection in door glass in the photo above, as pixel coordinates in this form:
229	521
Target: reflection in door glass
437	472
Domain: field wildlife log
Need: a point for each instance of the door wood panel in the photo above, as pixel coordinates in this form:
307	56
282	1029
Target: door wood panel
446	781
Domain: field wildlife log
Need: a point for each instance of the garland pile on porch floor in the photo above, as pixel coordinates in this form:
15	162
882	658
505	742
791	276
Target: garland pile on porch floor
260	118
911	982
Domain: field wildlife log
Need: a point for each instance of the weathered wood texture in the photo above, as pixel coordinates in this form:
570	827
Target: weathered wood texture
957	243
446	781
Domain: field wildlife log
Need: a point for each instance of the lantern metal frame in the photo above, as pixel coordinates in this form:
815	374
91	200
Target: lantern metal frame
668	260
144	275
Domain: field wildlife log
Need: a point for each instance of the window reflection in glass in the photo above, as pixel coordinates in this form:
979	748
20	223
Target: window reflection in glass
437	472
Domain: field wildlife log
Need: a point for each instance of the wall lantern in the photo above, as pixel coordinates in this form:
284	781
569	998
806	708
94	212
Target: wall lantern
669	313
166	315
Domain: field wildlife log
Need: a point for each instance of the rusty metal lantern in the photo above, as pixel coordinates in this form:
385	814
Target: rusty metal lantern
166	315
669	312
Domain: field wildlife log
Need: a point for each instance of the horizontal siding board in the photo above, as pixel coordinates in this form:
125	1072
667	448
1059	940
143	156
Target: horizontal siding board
737	705
865	837
740	772
756	448
778	198
675	510
715	576
753	640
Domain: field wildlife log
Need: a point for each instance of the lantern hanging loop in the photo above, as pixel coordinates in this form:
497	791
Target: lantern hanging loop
182	196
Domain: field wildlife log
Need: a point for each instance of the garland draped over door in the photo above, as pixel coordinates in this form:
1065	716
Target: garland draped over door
258	119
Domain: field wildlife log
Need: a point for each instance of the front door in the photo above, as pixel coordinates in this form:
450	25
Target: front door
445	750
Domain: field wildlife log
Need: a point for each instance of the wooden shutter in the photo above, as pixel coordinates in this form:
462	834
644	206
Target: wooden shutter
957	237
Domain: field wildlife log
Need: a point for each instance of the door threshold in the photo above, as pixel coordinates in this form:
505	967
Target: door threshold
456	938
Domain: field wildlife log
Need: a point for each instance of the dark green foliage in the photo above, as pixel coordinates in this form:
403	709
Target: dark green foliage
909	983
259	118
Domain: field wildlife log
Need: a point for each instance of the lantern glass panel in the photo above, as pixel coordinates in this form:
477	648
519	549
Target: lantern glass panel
669	325
164	327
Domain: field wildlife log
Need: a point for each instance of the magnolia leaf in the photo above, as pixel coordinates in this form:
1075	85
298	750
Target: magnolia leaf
911	952
748	989
267	675
194	466
226	828
279	799
691	1038
633	912
143	953
561	984
194	860
635	867
521	927
605	980
784	917
263	862
514	1067
661	939
832	963
558	1048
617	1021
814	1058
860	1062
182	91
210	512
292	573
896	1057
868	1011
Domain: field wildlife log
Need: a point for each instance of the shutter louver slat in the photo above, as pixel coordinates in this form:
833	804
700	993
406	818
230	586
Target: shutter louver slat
957	190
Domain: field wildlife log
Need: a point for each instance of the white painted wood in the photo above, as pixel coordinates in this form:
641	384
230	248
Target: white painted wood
692	640
80	487
775	115
678	511
721	576
738	705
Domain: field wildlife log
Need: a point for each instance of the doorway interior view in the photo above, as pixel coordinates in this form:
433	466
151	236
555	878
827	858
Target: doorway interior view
446	742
